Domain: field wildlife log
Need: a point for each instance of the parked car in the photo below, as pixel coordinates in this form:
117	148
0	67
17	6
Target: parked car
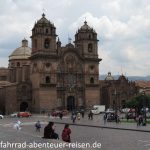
110	110
97	109
24	114
125	110
56	113
1	116
110	117
15	114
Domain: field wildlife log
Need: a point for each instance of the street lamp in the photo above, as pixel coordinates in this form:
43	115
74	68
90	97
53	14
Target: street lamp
144	107
116	104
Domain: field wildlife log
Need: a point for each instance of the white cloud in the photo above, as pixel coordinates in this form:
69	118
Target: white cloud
122	27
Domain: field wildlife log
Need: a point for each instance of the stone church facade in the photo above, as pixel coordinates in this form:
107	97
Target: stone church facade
50	75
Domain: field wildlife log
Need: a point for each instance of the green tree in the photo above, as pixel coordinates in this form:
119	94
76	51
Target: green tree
139	102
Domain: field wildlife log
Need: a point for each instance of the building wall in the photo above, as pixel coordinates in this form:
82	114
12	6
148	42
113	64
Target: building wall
11	103
48	99
92	96
4	74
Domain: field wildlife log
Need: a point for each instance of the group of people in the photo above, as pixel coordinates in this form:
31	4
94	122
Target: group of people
49	132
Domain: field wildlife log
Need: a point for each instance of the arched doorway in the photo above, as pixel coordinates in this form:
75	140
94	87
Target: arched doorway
24	106
70	103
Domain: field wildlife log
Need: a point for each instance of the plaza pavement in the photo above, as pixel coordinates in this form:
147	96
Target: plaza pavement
110	139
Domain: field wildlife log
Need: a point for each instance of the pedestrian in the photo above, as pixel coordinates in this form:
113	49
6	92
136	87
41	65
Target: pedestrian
78	116
61	115
49	131
105	118
82	113
91	115
73	117
38	126
66	133
17	125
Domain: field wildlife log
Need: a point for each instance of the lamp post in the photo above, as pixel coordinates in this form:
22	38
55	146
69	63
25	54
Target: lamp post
116	104
144	107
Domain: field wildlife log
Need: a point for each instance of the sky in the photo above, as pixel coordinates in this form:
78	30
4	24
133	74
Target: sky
123	28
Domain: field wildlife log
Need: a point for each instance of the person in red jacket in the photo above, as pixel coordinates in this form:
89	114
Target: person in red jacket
66	133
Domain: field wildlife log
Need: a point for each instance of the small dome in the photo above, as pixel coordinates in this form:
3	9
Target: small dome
85	26
109	77
23	52
43	19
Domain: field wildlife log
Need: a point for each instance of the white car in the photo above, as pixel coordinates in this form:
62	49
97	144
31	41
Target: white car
1	116
125	110
15	114
110	110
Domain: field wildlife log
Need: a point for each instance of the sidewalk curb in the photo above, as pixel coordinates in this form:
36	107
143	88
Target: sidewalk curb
103	127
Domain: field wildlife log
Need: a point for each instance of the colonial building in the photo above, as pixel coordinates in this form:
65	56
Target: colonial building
114	93
49	75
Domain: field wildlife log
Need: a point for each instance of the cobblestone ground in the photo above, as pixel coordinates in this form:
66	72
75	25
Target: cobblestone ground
110	139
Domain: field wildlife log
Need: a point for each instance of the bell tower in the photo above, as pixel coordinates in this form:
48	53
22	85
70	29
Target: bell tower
43	65
86	40
43	36
86	43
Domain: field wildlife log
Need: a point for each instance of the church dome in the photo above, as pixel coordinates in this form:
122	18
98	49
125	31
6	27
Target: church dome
23	52
109	77
85	26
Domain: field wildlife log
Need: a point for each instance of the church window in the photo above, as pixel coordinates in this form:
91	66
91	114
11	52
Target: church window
89	36
91	80
47	79
46	43
90	47
18	64
35	43
46	30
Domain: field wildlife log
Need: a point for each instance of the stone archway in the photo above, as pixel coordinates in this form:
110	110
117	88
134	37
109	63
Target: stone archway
24	106
70	103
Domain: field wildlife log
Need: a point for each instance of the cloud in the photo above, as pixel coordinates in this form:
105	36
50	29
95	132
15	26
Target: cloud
122	27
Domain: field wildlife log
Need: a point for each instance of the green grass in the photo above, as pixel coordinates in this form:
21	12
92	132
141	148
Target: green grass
132	121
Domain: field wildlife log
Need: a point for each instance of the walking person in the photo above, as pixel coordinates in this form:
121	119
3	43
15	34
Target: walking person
105	118
82	113
66	133
73	117
49	131
78	116
38	126
61	115
91	115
